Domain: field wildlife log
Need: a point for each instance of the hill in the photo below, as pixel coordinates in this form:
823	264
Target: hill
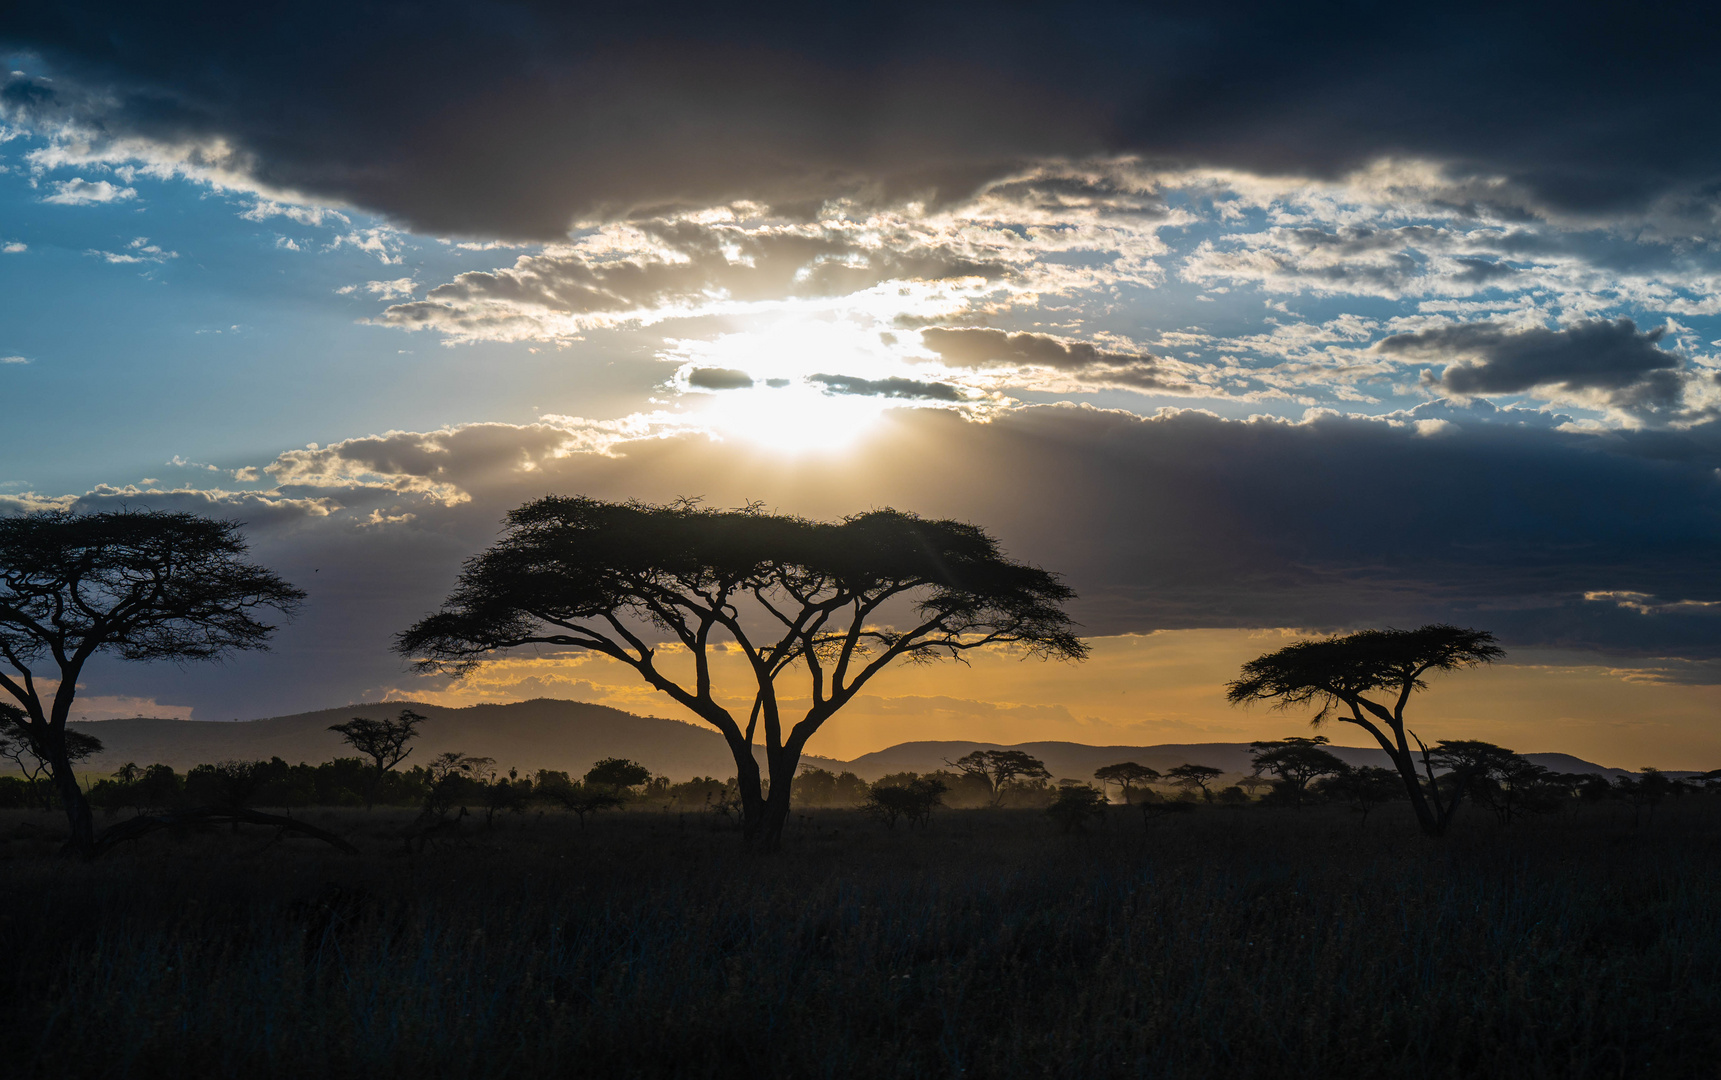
570	735
530	735
1079	760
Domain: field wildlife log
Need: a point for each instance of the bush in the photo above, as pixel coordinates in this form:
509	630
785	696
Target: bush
1076	805
914	800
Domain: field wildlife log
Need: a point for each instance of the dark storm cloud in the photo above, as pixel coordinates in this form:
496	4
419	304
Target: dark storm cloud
979	348
711	378
1626	367
1484	517
513	118
890	388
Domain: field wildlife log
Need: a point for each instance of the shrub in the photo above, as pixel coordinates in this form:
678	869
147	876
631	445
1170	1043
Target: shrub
1075	805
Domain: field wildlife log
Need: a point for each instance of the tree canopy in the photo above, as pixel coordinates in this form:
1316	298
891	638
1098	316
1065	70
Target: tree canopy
835	601
1127	775
1195	777
383	741
1343	676
1296	761
140	585
999	768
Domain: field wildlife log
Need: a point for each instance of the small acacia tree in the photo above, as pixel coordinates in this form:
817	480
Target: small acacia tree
1127	775
138	585
1342	676
1296	761
619	775
1196	777
383	741
999	768
835	602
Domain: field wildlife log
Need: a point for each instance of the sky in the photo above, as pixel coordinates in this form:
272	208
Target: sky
1253	321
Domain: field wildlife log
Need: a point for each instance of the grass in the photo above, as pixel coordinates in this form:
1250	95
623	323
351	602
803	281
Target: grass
1224	943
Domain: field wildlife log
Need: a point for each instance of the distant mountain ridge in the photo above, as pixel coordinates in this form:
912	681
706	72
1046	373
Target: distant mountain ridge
1079	760
547	733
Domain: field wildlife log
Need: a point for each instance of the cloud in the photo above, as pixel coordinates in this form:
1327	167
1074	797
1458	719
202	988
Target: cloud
446	466
891	387
388	290
264	209
1087	363
1645	604
1503	518
1610	362
14	360
380	241
719	379
664	267
139	250
81	192
14	247
562	115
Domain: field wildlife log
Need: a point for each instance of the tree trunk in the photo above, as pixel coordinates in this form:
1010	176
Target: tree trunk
82	841
763	825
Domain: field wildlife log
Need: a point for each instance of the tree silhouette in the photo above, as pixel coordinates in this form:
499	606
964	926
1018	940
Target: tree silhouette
834	602
1296	761
19	745
139	585
999	768
1076	805
617	774
1196	777
1364	787
913	799
1127	775
1495	778
1337	674
383	741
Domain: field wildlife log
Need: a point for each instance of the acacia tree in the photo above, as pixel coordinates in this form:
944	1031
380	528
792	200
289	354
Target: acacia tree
619	775
1342	676
1296	761
833	603
383	741
1191	777
16	744
1127	775
140	585
1000	767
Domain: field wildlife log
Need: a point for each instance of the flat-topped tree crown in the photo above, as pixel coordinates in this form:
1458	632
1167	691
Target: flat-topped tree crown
1337	671
142	585
821	597
1339	674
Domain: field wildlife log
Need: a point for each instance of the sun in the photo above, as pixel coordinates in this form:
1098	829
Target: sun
788	385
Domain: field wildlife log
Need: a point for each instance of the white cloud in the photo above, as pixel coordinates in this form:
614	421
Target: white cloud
80	192
388	290
14	247
14	360
139	250
264	209
382	242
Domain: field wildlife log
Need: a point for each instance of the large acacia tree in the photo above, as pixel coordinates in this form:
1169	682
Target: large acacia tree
139	585
828	603
1367	679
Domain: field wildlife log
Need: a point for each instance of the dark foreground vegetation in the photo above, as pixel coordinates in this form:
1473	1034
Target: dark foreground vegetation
1248	941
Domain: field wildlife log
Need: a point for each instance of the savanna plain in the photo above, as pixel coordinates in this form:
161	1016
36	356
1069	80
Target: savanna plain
1233	941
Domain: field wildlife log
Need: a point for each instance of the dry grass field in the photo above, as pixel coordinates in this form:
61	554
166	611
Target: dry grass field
1229	942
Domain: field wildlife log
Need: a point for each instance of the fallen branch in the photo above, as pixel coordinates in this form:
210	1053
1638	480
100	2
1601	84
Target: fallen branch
143	825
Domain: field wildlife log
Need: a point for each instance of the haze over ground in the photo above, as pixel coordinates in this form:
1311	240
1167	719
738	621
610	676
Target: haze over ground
1253	322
